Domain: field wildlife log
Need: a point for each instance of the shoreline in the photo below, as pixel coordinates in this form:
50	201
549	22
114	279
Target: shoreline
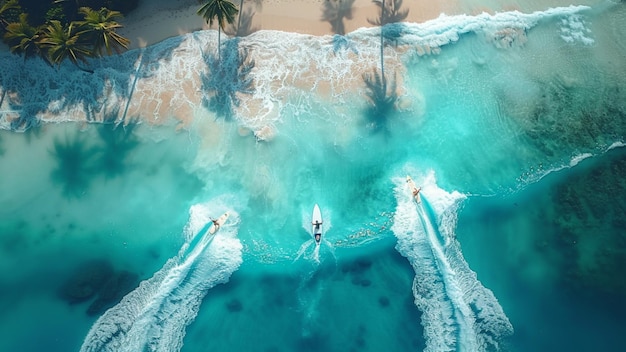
154	21
175	92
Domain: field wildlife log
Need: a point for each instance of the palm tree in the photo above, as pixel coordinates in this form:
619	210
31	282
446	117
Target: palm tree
60	42
11	4
23	38
100	27
223	10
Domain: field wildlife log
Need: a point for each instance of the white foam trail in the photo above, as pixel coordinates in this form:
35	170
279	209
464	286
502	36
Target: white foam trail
458	312
316	253
154	316
302	251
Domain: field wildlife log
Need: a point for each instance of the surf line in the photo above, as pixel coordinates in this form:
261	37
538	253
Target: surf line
155	315
459	313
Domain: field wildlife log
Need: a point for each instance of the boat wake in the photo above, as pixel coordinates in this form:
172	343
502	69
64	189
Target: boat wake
304	252
154	316
459	313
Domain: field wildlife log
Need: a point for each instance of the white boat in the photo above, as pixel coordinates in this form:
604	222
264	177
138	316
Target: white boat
415	191
316	224
218	223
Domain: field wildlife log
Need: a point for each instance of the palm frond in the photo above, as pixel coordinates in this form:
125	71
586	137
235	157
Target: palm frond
60	42
100	27
22	38
223	11
9	5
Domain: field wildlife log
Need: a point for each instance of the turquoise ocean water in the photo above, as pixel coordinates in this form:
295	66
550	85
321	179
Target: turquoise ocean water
513	125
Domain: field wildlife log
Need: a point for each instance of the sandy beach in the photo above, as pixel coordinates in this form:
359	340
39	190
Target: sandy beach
156	20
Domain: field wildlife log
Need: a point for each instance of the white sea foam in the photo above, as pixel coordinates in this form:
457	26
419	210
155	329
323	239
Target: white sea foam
154	316
616	145
459	313
573	162
499	27
579	158
574	29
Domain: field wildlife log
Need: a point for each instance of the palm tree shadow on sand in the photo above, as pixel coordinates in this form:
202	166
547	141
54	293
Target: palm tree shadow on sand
244	26
31	85
227	79
334	12
389	12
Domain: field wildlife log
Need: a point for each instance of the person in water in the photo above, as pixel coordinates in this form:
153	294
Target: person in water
318	235
216	224
416	194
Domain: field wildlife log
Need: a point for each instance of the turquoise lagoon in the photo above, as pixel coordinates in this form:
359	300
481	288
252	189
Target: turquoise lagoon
513	124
